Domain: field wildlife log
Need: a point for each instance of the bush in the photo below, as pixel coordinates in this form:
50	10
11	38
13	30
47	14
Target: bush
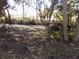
56	31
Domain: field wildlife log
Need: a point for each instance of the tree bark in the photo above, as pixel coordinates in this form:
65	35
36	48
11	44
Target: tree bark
65	21
23	10
9	17
76	38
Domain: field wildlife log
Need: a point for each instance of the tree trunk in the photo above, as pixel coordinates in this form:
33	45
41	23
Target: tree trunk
23	9
76	38
65	21
8	18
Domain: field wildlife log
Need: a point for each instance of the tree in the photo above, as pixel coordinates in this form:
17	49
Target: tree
65	21
4	6
76	38
39	4
3	3
22	2
47	12
51	9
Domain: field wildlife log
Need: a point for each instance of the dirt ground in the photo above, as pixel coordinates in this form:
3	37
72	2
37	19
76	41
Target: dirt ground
32	41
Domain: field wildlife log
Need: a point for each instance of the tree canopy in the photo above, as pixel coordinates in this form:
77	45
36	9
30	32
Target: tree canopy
3	4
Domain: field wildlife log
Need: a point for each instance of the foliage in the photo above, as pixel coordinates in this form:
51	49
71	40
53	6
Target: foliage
3	6
55	30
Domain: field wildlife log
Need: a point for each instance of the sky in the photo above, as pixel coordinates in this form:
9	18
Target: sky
29	11
18	12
